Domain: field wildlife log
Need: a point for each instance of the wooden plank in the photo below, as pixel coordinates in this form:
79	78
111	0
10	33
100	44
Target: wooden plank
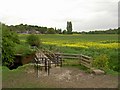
84	56
42	65
69	57
75	55
67	54
85	64
85	60
58	56
36	59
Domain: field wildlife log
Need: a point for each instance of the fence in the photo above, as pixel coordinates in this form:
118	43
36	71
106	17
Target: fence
84	60
46	58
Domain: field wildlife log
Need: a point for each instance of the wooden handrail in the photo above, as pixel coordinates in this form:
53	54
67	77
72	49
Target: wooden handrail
56	57
78	55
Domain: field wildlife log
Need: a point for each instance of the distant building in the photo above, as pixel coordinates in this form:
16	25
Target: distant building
29	32
34	32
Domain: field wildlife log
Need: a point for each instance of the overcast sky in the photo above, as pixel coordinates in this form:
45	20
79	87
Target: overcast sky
85	14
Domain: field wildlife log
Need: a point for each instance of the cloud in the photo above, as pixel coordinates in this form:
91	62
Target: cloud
84	14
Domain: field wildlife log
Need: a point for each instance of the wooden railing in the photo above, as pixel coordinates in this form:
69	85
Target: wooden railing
57	58
84	60
41	60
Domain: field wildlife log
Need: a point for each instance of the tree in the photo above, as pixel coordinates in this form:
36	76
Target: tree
9	40
58	31
64	32
51	31
69	27
43	30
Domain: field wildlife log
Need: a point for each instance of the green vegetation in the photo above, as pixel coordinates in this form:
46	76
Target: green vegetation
34	29
103	48
9	40
11	45
33	40
74	63
46	30
51	31
18	78
92	45
23	49
101	62
69	27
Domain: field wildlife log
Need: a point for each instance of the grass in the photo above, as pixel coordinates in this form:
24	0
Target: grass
17	78
23	49
74	63
111	72
80	41
91	45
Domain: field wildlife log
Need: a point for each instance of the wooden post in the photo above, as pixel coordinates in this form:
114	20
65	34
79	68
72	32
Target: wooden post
61	62
46	64
48	67
37	70
35	66
49	63
80	58
55	63
57	60
90	62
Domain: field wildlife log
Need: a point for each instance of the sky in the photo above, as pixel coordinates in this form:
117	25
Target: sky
85	15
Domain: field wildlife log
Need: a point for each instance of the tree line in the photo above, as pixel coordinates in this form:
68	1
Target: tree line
34	29
21	28
110	31
24	28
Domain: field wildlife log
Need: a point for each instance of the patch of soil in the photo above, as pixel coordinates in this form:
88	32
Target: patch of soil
20	60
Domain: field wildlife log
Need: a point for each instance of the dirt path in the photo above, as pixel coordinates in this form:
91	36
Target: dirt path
67	77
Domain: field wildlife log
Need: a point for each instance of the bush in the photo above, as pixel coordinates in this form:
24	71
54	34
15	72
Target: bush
114	60
9	40
33	40
101	62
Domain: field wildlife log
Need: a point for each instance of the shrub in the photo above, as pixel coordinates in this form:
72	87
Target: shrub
114	60
33	40
101	62
9	40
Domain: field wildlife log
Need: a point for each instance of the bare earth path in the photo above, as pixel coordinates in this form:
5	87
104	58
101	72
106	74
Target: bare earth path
65	77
